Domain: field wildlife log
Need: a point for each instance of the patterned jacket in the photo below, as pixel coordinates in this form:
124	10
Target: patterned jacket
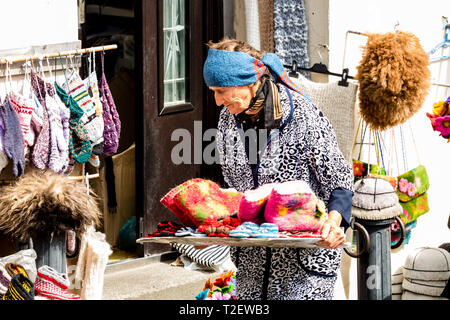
305	149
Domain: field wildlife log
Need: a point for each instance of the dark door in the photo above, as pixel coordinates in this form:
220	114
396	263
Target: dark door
174	98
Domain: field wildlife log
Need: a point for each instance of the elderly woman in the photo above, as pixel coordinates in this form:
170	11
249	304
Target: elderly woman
300	144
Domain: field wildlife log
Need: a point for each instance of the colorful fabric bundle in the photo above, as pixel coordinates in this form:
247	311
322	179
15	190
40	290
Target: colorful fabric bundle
112	125
222	288
293	205
412	193
53	285
440	118
198	200
251	207
20	288
168	200
396	232
362	169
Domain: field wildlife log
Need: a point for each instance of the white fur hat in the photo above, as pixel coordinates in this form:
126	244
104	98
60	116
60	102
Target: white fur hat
427	264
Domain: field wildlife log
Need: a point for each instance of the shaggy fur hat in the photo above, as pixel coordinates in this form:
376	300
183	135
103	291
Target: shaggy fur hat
44	203
394	79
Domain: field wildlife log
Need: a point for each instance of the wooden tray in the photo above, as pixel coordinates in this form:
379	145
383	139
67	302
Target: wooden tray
240	242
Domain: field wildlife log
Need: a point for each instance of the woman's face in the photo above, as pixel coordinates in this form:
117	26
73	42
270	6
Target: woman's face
235	99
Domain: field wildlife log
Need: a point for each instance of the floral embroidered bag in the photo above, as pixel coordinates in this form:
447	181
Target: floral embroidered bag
412	193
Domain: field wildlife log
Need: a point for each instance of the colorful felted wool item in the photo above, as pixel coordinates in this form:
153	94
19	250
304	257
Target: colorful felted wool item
112	124
53	285
169	201
394	79
411	191
293	205
361	169
204	199
253	202
20	288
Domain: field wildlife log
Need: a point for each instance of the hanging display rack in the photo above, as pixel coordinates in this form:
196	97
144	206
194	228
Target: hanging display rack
24	58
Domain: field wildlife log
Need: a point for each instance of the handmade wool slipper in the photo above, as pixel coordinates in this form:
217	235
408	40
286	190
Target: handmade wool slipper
20	288
300	234
53	285
266	230
188	231
14	269
252	203
5	279
165	229
245	230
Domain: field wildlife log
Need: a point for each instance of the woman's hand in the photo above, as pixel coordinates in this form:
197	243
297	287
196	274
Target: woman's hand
332	234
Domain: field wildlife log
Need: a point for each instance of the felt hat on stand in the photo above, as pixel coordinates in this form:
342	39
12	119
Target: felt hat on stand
396	283
375	199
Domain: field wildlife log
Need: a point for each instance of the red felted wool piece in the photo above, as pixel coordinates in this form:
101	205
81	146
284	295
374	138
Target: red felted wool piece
202	200
169	202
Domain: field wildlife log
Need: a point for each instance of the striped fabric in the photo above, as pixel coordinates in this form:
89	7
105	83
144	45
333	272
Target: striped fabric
78	90
209	257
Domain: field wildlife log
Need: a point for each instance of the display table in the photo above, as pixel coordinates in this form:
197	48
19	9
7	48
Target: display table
240	242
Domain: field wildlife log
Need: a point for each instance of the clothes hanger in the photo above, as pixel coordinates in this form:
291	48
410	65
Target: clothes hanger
443	44
319	68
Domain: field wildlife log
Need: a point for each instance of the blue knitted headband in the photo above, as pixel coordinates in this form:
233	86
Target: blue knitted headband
225	68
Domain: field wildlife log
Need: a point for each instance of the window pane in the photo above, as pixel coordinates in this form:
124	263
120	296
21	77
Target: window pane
175	53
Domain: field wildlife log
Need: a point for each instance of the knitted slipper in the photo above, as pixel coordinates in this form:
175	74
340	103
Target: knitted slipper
5	279
188	231
165	229
244	230
20	288
14	269
266	230
52	284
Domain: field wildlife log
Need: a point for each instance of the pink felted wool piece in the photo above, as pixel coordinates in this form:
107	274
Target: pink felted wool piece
293	206
252	203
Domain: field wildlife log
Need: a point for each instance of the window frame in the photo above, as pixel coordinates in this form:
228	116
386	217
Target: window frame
191	47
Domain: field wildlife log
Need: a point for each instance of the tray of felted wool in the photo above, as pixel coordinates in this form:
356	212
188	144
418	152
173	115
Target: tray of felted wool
274	215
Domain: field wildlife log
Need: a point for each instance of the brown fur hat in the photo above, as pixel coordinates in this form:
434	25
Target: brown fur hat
44	203
394	79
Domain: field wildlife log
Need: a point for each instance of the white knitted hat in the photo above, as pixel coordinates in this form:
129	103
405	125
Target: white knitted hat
426	287
408	295
427	264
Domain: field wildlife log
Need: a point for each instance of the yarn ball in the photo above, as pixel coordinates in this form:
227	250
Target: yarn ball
394	79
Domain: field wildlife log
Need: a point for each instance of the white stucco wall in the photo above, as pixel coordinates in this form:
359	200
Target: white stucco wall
424	20
37	22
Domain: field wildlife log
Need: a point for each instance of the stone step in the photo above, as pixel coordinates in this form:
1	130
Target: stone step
152	278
